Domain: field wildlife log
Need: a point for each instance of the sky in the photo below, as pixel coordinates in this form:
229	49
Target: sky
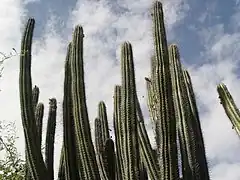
207	33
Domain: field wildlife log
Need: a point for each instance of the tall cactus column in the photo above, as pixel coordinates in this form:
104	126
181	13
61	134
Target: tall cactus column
87	163
118	131
197	130
50	136
33	149
128	115
166	122
69	158
192	166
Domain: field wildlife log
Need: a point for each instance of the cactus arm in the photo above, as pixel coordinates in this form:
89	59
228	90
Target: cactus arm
33	150
200	149
184	116
35	96
166	123
229	106
101	135
86	153
99	144
50	136
39	112
146	149
102	114
98	136
128	114
61	169
69	144
118	131
109	158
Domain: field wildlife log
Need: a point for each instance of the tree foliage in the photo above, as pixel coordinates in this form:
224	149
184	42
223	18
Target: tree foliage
11	164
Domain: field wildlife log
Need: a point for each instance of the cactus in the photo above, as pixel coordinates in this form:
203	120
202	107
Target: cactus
109	158
51	126
118	131
33	151
171	104
128	115
201	153
229	106
101	137
86	162
39	120
147	153
69	144
35	96
193	165
162	89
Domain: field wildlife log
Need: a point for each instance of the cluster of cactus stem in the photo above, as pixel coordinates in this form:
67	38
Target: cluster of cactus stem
130	156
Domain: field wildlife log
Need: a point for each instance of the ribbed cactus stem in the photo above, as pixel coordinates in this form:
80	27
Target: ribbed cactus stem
102	114
87	163
61	168
128	114
69	144
50	136
166	123
33	150
229	106
99	144
39	112
35	96
38	108
184	116
109	158
101	136
200	147
152	103
147	155
118	131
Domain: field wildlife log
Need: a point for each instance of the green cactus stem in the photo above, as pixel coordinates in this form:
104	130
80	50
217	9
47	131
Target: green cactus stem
147	155
99	144
109	158
33	150
197	130
69	149
87	163
128	115
118	131
39	112
229	106
61	169
50	136
35	96
166	122
102	114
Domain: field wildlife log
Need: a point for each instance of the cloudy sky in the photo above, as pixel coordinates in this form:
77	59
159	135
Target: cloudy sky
207	33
